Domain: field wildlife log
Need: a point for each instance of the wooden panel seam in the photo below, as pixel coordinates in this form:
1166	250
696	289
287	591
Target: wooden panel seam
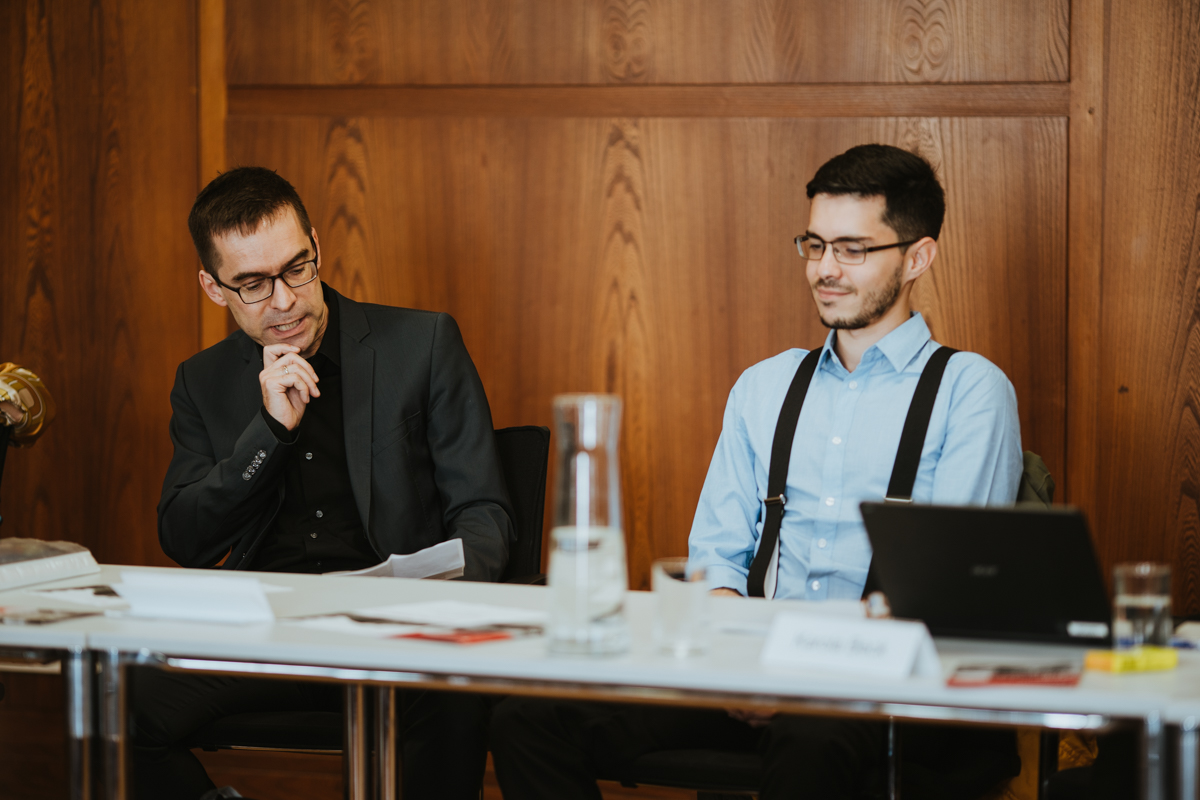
808	100
1085	210
213	111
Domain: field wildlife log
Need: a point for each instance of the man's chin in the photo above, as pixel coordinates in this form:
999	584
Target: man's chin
842	323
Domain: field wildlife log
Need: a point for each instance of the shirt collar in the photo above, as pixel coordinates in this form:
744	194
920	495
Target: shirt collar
899	347
331	342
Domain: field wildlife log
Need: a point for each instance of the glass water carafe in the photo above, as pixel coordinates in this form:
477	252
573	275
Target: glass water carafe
587	575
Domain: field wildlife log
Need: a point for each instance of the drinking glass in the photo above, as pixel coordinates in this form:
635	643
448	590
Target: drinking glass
681	595
1142	605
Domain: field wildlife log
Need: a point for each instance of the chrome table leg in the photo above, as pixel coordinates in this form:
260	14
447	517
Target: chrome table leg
356	746
1189	741
115	725
79	675
1152	757
387	740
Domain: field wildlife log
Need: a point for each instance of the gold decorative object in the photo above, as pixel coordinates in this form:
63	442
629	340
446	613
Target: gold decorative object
23	393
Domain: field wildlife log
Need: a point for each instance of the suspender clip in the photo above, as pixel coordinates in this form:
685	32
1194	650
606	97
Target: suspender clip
781	500
889	499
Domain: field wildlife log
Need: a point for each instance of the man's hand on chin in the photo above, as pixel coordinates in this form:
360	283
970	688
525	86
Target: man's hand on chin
288	382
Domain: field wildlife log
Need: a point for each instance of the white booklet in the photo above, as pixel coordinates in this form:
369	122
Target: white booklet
442	561
27	561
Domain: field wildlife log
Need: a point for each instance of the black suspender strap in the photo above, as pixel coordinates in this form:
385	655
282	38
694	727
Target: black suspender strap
904	469
781	453
916	424
912	441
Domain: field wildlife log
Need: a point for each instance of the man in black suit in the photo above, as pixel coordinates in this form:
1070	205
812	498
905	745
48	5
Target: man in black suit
323	435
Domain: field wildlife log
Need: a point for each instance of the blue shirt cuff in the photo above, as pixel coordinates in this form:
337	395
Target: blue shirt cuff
724	577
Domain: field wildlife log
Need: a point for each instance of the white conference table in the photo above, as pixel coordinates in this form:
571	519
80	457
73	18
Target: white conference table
730	675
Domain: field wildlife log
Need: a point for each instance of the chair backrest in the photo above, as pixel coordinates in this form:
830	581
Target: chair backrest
524	453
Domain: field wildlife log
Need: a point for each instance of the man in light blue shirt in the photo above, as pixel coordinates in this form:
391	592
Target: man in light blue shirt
843	452
875	217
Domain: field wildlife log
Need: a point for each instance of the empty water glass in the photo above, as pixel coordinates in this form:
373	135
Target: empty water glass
681	622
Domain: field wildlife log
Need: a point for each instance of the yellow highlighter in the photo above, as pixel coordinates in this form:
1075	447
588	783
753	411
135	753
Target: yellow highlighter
1142	659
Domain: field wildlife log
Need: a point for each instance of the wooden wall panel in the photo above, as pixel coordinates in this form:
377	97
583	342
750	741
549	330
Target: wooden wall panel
653	258
646	41
1145	459
96	266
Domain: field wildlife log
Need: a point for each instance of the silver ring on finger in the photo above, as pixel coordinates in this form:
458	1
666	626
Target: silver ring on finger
286	369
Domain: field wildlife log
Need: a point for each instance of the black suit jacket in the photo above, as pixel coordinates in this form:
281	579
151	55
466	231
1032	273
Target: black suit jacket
419	444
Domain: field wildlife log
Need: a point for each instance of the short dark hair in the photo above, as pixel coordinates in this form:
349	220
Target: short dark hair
239	200
915	204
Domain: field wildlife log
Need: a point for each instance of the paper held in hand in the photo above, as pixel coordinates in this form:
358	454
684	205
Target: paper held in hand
444	560
885	648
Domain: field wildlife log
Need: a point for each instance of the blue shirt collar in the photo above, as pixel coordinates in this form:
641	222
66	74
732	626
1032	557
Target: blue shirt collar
899	347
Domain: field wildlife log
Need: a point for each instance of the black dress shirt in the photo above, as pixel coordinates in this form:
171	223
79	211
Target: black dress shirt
318	528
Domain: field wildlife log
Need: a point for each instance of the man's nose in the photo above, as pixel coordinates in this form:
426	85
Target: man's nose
827	265
282	297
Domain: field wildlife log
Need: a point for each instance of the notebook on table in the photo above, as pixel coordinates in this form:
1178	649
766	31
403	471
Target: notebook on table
1025	574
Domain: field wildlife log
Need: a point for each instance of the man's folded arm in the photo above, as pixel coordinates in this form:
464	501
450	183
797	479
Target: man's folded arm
209	505
475	503
724	531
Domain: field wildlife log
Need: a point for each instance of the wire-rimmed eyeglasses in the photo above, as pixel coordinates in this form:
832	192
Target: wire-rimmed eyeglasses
844	252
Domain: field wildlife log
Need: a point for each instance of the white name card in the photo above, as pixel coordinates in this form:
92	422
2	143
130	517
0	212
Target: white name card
885	648
233	599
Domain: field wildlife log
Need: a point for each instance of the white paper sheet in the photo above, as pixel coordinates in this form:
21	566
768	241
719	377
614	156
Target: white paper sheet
340	624
195	598
455	614
442	561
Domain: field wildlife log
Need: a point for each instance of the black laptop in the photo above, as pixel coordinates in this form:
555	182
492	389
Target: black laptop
1027	574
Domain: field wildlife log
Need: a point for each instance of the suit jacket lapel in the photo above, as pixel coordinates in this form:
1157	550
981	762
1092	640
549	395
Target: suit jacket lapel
358	386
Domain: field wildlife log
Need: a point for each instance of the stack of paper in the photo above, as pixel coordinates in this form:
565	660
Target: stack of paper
27	561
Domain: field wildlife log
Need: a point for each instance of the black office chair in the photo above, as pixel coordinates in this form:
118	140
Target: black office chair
524	454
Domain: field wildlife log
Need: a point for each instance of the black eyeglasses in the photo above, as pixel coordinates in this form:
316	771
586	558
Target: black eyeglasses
849	252
260	288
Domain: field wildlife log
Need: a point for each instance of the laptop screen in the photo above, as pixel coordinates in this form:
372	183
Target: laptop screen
1027	574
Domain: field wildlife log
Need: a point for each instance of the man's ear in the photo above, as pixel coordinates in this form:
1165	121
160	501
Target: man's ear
211	289
919	258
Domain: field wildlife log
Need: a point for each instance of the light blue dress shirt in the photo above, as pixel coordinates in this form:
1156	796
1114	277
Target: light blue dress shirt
845	446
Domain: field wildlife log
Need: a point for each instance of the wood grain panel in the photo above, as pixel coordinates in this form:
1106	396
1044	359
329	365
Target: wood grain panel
33	740
215	322
830	100
1147	397
653	257
1085	223
98	294
646	41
